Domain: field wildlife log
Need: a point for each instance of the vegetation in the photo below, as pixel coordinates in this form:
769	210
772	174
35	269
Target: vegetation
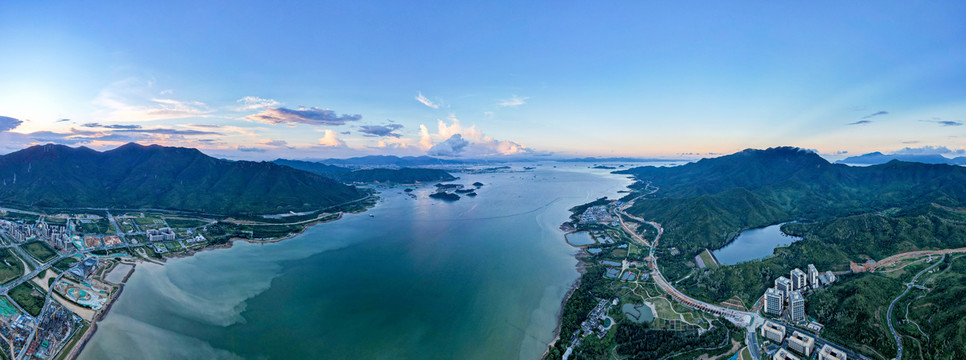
11	267
936	319
184	223
639	341
28	297
136	177
444	196
39	250
65	263
854	311
99	226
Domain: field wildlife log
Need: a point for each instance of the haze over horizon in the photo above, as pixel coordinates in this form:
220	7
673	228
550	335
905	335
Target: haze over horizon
256	81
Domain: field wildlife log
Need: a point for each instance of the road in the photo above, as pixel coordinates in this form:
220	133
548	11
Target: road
909	286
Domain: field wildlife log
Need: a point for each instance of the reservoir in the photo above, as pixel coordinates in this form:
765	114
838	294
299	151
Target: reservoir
753	244
477	278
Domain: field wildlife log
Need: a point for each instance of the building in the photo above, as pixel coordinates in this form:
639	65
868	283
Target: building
831	277
774	301
784	285
773	332
783	354
796	306
831	353
799	279
801	343
84	268
813	276
165	234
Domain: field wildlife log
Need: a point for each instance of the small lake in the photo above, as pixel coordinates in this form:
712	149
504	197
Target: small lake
753	244
580	238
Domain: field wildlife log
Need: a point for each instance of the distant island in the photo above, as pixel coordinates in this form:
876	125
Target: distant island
442	195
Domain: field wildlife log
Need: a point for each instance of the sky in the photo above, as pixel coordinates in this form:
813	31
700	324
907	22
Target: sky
262	80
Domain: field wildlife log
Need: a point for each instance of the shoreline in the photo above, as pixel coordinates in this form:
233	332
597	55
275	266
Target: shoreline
581	268
77	349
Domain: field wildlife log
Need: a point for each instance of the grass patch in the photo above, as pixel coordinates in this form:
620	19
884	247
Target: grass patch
65	263
708	259
30	298
148	221
39	250
10	266
99	226
184	223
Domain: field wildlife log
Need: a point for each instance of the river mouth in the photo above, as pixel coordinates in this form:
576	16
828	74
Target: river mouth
754	244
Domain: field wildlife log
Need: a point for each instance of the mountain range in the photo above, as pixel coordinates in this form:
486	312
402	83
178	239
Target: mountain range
404	175
880	158
135	176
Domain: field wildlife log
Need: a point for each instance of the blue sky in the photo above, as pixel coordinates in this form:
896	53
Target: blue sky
310	80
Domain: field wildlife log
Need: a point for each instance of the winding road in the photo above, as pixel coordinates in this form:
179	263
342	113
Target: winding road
911	284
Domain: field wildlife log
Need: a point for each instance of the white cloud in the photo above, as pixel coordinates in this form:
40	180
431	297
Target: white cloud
330	139
302	115
129	100
426	101
254	103
513	101
455	139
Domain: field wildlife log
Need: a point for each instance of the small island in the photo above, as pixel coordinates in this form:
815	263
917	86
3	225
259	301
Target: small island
478	184
442	195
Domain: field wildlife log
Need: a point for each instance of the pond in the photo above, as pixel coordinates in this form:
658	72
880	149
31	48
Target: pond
753	244
580	238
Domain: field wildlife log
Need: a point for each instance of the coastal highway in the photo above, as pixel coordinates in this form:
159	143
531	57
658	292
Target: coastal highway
909	285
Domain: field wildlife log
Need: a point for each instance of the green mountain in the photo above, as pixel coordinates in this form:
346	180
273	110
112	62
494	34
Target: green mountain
136	176
706	203
380	175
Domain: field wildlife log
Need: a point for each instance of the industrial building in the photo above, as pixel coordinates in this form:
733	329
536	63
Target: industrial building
796	306
773	331
799	279
783	354
801	343
831	353
774	301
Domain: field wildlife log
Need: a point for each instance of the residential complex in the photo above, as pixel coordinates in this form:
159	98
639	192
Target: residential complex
774	301
783	354
163	234
773	331
796	306
784	285
801	343
831	353
799	279
813	276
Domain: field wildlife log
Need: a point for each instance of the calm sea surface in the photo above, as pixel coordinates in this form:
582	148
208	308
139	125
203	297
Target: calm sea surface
479	278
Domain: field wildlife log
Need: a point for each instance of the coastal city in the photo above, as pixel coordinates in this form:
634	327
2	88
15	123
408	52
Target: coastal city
60	273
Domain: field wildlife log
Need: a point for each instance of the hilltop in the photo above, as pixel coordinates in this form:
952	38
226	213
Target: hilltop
138	176
378	175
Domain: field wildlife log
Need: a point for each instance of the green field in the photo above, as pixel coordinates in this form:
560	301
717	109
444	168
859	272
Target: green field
29	298
184	223
99	226
10	266
39	250
65	263
148	220
14	216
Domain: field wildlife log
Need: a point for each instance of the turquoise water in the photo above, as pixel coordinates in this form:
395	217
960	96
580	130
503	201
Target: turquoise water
478	278
753	244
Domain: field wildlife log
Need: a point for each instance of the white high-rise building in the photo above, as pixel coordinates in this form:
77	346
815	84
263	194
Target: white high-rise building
799	279
813	276
796	306
774	301
831	353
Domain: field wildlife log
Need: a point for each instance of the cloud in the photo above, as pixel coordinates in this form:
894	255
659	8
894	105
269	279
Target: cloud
513	101
9	123
113	126
302	115
860	122
878	113
249	103
381	130
478	143
250	149
133	100
451	147
167	131
929	150
943	122
426	101
329	139
272	142
911	142
63	120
